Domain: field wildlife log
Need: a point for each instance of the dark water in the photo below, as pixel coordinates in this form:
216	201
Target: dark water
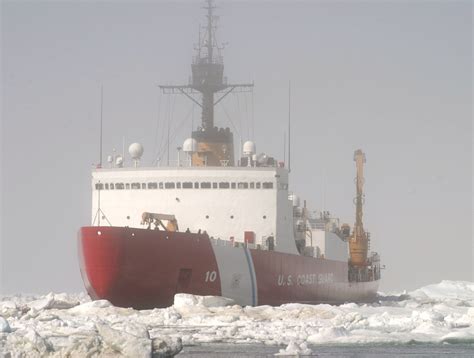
352	351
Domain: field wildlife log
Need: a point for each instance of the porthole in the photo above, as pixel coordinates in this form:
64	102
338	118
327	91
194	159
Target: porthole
207	216
232	216
264	216
128	217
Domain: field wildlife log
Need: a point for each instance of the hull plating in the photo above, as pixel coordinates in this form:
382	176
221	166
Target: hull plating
145	268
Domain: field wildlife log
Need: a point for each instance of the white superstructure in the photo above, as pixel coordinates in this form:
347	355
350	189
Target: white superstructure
225	202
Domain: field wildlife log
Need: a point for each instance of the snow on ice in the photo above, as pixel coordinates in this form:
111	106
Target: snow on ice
72	325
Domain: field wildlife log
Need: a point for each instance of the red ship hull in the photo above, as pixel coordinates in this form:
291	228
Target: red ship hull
144	269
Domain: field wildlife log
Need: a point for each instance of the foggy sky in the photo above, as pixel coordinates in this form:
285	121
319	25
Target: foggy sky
392	78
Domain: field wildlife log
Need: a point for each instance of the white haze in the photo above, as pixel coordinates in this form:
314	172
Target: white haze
393	78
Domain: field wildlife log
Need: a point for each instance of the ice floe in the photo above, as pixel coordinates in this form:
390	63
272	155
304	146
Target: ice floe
72	325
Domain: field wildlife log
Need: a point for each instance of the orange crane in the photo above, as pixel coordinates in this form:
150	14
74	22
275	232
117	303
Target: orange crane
157	220
359	240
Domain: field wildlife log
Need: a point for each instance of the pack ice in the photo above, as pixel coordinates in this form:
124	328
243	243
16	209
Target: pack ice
71	325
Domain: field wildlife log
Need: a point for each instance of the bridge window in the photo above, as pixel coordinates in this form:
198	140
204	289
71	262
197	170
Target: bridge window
243	185
143	185
196	185
160	185
206	185
224	185
257	185
99	186
106	186
233	185
111	186
267	185
153	185
187	185
127	186
135	186
214	185
169	185
252	185
178	185
119	186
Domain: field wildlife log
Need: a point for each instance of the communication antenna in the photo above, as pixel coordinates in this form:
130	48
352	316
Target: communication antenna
168	142
101	123
323	196
123	146
289	126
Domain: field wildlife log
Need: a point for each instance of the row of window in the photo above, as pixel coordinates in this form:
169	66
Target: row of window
184	185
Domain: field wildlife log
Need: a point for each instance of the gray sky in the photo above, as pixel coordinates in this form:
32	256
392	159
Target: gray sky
392	78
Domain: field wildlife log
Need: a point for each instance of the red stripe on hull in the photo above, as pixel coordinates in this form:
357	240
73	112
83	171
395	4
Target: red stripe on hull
144	268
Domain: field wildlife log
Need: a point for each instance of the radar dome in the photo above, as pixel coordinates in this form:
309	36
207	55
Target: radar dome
249	148
190	145
136	150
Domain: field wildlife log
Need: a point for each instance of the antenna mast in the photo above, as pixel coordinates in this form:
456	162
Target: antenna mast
289	126
210	29
101	122
215	145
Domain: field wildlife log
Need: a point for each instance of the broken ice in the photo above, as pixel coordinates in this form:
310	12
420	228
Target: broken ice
68	324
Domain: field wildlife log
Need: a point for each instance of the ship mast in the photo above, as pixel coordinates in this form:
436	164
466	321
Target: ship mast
214	145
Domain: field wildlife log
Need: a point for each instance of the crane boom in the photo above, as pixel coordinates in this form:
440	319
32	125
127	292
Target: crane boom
359	241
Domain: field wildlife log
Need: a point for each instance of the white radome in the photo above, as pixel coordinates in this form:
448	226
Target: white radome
249	148
136	150
190	145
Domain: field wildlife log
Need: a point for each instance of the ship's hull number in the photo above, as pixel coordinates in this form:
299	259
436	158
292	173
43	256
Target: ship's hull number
211	276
